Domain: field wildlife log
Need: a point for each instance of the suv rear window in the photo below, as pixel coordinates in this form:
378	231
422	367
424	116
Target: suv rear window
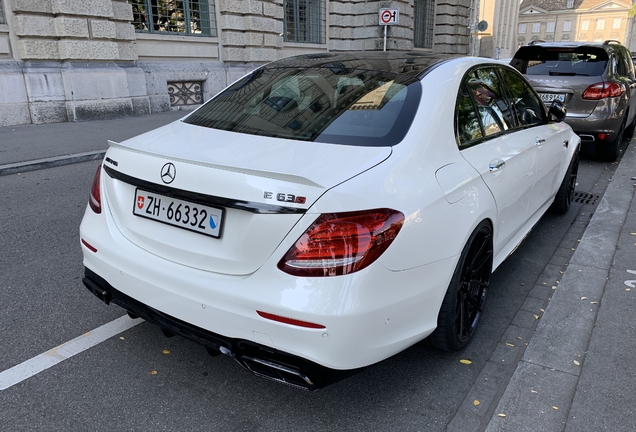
324	104
560	61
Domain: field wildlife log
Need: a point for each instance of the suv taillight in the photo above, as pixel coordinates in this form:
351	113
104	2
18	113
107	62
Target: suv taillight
603	90
95	200
342	243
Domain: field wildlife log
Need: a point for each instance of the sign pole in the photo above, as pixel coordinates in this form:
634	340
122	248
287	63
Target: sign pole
385	37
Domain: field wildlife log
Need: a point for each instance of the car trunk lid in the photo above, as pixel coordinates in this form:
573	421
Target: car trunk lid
260	186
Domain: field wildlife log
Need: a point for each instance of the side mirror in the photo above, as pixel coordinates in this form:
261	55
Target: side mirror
557	111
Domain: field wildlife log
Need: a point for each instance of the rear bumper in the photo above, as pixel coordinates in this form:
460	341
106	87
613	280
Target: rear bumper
258	359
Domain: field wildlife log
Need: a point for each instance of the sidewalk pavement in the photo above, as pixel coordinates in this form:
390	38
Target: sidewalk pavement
28	147
576	374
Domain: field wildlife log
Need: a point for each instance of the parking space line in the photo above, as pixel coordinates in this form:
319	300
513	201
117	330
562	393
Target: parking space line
40	363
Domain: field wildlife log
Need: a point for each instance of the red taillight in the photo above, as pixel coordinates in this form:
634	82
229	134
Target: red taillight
342	243
95	200
603	90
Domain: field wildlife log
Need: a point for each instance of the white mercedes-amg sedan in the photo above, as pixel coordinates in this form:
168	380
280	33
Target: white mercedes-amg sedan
327	211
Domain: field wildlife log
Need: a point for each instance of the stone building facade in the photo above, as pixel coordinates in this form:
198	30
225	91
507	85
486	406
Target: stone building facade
575	20
76	60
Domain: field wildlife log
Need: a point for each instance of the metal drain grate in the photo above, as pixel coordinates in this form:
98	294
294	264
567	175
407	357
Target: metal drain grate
586	198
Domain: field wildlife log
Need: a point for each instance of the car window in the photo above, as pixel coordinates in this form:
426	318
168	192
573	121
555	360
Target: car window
529	108
322	104
466	119
492	107
560	61
482	108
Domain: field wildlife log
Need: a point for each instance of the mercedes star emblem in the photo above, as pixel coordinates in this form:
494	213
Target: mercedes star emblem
168	173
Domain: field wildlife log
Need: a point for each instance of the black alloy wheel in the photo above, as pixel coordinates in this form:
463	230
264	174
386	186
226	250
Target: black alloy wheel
464	302
565	194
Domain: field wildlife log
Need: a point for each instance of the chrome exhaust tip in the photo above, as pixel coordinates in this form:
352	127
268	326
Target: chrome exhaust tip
279	373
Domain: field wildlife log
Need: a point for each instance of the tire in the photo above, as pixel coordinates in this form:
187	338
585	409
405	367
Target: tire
466	295
565	194
609	151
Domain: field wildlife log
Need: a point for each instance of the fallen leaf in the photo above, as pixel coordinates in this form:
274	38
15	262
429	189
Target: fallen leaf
537	317
545	283
633	233
577	363
166	351
554	287
593	302
628	289
583	298
466	362
519	337
509	344
501	415
152	372
476	402
542	310
121	337
555	407
533	391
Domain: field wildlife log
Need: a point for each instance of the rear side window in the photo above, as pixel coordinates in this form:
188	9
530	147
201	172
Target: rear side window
324	104
560	61
482	108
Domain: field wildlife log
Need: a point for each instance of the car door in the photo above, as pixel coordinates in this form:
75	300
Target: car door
625	71
485	125
549	141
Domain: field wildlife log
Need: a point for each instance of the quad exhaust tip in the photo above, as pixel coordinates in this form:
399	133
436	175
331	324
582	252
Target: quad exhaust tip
278	373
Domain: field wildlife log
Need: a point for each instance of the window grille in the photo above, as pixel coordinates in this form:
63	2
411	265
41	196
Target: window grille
190	17
550	27
305	21
522	28
567	26
536	27
2	20
570	4
424	21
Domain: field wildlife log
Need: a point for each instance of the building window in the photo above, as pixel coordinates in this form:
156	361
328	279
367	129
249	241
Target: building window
600	24
536	27
305	21
424	16
190	17
550	27
617	23
2	20
570	4
585	25
522	28
567	26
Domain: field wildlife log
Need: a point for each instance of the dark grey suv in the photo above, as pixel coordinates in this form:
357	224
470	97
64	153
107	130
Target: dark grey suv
596	82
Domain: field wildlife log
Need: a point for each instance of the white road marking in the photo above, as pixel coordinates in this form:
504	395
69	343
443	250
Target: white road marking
42	362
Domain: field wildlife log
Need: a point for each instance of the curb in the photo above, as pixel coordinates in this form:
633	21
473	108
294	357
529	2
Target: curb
56	161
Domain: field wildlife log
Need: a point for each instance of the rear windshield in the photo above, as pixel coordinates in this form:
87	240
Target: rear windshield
582	61
325	104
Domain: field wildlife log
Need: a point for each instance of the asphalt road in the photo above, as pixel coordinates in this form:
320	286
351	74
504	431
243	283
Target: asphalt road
139	380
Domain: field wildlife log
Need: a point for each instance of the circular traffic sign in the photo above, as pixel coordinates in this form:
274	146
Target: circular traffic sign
386	16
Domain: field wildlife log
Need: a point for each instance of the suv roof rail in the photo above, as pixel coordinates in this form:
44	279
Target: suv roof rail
536	41
609	41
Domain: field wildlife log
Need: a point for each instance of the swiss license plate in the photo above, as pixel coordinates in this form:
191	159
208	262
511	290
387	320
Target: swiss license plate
181	214
549	97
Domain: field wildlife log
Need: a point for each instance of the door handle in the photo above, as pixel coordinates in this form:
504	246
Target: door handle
496	165
539	141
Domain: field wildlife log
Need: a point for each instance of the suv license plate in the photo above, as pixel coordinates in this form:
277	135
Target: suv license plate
181	214
549	97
